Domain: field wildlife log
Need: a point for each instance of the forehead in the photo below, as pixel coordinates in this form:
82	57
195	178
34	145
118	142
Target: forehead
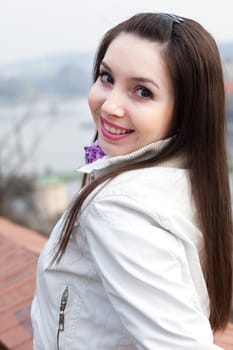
132	54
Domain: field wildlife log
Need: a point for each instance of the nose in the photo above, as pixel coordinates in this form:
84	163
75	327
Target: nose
113	105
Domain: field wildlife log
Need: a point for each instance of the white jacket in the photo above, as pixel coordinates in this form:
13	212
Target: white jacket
131	277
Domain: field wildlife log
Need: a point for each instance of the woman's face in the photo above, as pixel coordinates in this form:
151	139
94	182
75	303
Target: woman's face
132	99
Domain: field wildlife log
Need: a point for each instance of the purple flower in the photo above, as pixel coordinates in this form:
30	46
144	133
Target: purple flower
93	152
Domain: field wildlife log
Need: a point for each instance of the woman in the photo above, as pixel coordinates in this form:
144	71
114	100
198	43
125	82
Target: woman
142	258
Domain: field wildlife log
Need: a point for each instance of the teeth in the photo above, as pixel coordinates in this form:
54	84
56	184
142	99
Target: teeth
115	131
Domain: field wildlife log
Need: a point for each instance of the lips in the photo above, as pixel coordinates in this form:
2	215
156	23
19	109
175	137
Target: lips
112	131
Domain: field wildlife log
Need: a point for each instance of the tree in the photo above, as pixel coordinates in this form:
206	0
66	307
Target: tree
17	187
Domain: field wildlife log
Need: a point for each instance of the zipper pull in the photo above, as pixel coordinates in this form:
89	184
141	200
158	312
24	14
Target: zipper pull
91	176
64	299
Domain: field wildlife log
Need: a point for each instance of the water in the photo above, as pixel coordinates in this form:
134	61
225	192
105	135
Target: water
45	135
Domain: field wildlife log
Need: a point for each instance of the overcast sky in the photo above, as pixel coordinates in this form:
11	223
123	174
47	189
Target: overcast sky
30	28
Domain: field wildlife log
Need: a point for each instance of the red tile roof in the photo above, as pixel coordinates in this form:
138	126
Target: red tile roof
229	87
225	339
19	250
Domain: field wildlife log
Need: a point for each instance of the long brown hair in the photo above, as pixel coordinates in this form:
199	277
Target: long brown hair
194	64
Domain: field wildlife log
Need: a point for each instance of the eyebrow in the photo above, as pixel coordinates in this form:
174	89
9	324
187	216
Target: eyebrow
137	79
145	80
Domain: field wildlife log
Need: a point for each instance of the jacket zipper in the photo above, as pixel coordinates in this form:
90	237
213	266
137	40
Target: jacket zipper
61	322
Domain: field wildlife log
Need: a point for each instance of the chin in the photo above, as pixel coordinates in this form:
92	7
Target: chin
111	150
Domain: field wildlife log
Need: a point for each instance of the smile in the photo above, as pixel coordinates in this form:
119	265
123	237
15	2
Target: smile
115	131
112	131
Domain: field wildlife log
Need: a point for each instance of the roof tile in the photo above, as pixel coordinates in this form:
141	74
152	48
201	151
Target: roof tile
19	249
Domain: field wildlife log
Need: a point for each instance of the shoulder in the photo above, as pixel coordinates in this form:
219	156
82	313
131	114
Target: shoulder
156	187
161	195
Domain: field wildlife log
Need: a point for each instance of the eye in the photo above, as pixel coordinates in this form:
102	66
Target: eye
143	92
106	77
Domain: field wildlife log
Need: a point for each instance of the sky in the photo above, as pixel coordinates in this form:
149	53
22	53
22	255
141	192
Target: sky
37	28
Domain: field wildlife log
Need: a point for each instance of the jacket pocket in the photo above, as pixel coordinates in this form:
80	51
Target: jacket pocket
68	316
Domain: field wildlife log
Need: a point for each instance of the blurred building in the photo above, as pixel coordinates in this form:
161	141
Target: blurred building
50	197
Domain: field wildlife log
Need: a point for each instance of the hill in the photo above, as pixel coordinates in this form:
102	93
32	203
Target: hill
62	74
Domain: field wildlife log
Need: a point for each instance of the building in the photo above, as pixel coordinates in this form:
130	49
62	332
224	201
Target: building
50	197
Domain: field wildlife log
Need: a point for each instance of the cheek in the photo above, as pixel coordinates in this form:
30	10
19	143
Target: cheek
92	103
91	98
95	97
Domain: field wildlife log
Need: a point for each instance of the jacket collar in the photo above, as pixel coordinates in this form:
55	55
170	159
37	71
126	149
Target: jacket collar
143	153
